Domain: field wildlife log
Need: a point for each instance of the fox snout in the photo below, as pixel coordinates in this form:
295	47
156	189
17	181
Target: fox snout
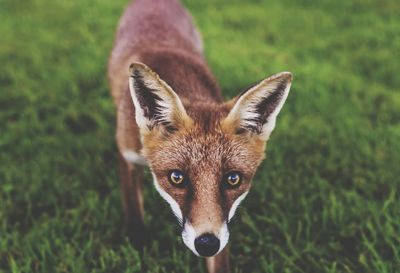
209	235
205	244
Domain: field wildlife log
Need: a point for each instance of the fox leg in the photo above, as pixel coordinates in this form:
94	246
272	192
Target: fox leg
131	177
219	263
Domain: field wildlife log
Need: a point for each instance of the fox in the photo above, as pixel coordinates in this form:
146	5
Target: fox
202	152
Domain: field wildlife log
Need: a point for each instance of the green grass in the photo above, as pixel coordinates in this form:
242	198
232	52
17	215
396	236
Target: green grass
326	199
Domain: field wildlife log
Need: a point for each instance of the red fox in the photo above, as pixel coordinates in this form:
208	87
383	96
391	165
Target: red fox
202	152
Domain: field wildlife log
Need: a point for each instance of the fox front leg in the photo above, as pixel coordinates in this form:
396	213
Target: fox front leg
131	176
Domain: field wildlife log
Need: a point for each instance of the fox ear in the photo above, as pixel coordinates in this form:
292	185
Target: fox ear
256	109
156	104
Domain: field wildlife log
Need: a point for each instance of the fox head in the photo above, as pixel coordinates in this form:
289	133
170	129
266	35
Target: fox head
203	156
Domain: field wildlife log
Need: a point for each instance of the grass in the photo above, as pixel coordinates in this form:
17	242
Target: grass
326	198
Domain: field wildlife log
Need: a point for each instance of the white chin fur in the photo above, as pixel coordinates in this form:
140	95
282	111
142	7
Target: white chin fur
188	236
223	237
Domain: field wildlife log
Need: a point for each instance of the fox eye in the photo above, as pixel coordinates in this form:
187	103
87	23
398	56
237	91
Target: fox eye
233	179
176	178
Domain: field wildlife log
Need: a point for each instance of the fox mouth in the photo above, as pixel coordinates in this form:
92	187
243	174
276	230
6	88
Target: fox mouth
206	244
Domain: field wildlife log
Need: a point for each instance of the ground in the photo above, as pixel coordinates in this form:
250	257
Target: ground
326	198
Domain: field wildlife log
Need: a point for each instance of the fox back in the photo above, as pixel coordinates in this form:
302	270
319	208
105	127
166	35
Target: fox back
202	152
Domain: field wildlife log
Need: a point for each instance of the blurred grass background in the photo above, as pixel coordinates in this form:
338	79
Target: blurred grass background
326	199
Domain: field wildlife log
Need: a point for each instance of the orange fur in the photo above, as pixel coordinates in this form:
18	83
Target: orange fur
172	115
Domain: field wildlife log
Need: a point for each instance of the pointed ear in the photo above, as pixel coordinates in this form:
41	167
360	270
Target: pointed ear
156	104
255	110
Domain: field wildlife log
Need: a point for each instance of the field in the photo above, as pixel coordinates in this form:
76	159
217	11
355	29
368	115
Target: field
326	199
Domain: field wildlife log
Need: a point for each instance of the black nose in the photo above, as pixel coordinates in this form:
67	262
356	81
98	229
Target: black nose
206	245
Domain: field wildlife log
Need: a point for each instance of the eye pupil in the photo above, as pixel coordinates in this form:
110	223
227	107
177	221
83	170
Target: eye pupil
233	179
176	177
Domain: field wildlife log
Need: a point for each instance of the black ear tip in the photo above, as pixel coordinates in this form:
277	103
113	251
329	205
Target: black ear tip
136	66
286	75
132	69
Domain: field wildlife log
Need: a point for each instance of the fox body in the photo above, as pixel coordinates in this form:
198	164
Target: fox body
202	152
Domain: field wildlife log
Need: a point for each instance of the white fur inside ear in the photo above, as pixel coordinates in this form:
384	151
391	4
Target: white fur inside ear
270	125
139	113
168	107
245	114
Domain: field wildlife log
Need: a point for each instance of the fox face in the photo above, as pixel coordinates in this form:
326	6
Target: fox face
203	155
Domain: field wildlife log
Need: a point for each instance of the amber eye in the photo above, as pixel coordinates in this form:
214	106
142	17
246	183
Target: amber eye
176	178
233	179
